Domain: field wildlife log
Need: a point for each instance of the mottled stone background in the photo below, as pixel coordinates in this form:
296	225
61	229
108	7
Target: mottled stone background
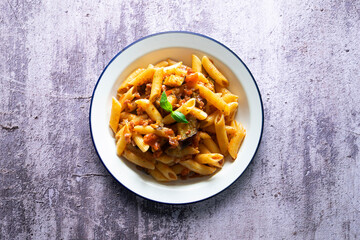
304	182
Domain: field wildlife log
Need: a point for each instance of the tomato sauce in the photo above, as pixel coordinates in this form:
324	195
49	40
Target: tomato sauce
152	140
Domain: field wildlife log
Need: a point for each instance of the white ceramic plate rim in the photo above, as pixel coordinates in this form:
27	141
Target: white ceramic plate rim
209	187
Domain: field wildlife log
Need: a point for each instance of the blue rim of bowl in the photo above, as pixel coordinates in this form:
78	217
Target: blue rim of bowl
191	33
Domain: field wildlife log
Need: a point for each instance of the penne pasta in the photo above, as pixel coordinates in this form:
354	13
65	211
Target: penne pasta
229	129
219	88
196	63
150	109
196	77
214	72
171	69
121	143
197	167
156	84
214	99
129	95
118	134
221	135
178	168
209	120
157	175
236	141
162	64
204	135
144	129
161	132
233	109
138	160
171	61
209	109
165	159
212	159
115	115
139	141
130	78
229	97
126	130
133	118
211	145
202	78
203	149
198	113
141	159
166	171
130	106
143	77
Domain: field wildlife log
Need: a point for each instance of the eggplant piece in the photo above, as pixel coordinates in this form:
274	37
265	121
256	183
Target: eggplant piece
174	152
180	151
187	130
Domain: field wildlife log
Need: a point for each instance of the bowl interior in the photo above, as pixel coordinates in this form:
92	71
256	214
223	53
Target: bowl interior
182	191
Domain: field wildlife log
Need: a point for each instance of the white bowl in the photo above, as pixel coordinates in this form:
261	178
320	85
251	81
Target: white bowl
178	46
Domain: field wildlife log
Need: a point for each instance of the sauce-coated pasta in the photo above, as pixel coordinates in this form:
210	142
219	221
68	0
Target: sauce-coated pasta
175	121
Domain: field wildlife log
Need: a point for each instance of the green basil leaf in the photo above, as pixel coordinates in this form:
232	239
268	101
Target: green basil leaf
179	117
164	103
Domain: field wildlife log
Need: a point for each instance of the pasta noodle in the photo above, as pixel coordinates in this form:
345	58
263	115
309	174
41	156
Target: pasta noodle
130	78
144	76
209	120
214	72
150	109
156	84
198	113
213	159
138	160
178	168
196	63
221	134
162	64
197	167
115	115
157	175
229	129
236	141
214	99
159	111
121	143
166	171
171	61
139	140
203	149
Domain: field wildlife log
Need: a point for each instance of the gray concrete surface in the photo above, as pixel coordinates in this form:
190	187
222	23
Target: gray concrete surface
304	181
